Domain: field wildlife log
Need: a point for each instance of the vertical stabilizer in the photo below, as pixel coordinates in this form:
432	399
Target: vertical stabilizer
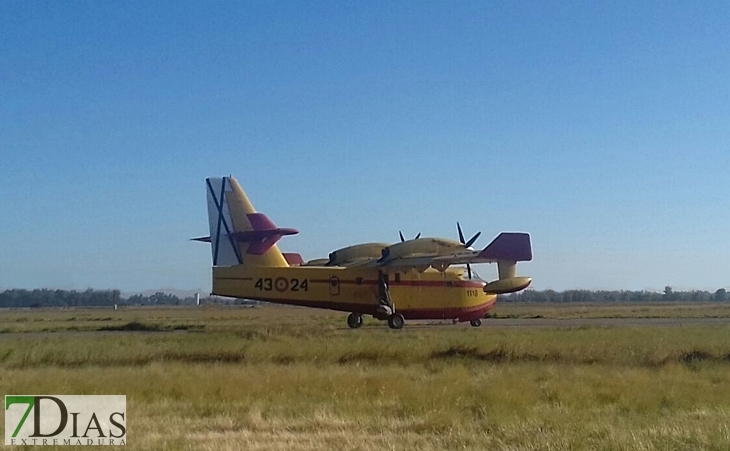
238	234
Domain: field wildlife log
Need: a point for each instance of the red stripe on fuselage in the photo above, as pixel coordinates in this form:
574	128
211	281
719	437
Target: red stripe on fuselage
411	283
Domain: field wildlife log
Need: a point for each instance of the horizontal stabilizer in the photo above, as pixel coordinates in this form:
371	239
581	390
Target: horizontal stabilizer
264	234
513	246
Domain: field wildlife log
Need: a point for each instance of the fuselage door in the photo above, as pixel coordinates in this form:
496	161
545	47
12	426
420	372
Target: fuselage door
334	286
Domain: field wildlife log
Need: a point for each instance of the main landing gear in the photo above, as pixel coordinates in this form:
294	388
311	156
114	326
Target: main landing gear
396	321
354	320
385	309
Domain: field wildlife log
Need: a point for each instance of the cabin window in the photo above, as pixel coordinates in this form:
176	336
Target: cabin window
397	277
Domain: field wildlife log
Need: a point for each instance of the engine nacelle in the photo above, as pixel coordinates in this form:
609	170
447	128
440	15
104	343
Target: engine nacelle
355	253
421	246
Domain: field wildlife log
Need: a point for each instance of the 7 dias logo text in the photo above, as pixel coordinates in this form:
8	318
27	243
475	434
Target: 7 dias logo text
65	420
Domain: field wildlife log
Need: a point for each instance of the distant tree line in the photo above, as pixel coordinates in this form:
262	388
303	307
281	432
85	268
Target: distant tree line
669	295
159	298
108	298
86	298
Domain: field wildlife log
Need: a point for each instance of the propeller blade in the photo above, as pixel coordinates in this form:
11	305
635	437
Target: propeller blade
401	236
472	240
417	236
467	244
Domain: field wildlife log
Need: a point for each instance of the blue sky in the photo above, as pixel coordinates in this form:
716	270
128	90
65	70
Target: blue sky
602	128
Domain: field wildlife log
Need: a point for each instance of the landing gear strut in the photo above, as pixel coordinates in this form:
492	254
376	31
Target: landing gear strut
386	308
385	304
475	322
354	320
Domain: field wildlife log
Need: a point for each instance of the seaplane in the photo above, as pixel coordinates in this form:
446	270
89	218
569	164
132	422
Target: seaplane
415	279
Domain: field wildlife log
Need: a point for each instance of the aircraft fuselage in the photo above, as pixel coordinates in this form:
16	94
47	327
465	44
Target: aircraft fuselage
416	295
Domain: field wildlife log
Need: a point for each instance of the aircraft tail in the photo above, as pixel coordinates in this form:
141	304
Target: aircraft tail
238	234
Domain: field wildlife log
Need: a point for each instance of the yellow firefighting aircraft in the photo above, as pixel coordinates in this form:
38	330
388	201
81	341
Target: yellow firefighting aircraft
412	279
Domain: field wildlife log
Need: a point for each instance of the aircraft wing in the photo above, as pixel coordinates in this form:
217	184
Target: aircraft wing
509	246
425	260
368	261
410	261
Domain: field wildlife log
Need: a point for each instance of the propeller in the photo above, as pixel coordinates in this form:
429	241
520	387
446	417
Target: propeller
461	236
467	244
403	239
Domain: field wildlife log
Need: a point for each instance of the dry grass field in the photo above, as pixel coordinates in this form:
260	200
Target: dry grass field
278	378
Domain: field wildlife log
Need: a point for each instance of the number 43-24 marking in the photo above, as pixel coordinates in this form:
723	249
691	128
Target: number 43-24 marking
282	284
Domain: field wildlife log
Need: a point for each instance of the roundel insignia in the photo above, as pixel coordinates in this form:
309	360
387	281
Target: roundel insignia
281	284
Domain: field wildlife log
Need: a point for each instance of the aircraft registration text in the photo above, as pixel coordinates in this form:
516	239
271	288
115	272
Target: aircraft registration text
282	284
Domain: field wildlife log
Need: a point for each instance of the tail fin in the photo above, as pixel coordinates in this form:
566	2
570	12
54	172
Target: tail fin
238	234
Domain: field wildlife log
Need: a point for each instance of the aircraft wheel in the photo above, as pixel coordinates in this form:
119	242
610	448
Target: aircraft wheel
475	322
354	320
396	321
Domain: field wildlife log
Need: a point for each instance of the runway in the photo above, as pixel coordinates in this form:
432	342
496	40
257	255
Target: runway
568	323
603	322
